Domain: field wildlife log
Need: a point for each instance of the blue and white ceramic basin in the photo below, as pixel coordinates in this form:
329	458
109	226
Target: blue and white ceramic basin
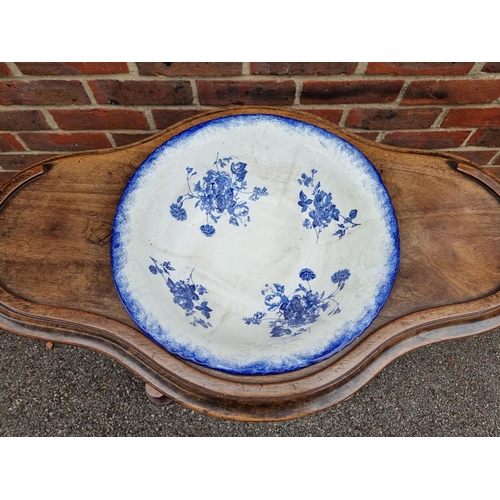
255	244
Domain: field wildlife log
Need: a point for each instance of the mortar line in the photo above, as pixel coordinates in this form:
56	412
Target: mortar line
84	131
90	94
474	148
472	132
23	144
178	107
14	69
50	119
149	117
476	69
133	69
339	77
440	118
34	152
360	68
343	118
402	92
298	92
194	89
111	139
245	69
495	157
145	130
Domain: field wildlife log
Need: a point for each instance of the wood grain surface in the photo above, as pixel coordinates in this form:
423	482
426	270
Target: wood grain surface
56	280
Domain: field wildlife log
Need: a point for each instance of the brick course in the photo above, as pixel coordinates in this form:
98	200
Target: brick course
302	68
124	139
165	117
190	69
50	108
391	119
76	68
452	92
438	139
492	67
433	68
141	92
263	92
42	92
23	120
99	119
350	92
332	115
9	143
477	156
4	70
473	117
487	137
65	141
19	161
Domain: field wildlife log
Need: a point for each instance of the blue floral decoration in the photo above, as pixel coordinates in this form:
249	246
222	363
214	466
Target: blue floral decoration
218	193
295	311
207	230
186	293
322	211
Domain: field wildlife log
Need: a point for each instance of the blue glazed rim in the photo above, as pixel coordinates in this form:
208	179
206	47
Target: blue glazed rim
160	335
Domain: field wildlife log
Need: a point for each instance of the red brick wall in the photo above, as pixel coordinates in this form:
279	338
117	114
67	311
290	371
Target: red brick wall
51	108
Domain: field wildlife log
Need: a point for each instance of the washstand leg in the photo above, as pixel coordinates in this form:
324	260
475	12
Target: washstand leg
157	397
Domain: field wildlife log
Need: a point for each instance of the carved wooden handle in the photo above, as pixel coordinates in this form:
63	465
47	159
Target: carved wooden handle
20	180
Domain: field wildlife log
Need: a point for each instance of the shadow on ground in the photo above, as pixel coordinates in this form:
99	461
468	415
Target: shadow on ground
447	389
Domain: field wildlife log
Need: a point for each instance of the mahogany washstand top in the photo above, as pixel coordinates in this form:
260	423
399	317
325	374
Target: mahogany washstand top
56	282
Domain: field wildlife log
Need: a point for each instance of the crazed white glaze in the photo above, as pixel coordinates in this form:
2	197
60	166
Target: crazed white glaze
260	275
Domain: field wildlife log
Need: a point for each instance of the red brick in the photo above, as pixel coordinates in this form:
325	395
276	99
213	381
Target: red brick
20	161
390	119
481	157
418	68
99	119
372	136
492	67
166	117
9	143
486	138
124	139
190	69
142	92
494	170
77	141
429	139
497	161
266	92
452	92
5	176
22	120
72	68
472	117
350	92
5	70
304	68
332	115
51	92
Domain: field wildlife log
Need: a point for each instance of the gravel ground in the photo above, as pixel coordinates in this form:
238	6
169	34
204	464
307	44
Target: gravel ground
447	389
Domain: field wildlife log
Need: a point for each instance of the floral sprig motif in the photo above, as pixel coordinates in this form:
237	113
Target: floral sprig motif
186	293
294	312
322	211
217	193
